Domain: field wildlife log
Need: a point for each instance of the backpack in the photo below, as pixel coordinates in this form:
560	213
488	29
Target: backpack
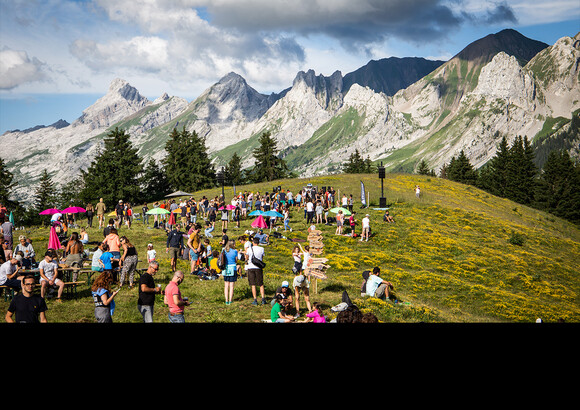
221	262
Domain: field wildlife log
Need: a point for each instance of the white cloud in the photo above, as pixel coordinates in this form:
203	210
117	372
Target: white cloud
17	68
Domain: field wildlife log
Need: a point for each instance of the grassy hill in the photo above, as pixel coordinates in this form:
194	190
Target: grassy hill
457	254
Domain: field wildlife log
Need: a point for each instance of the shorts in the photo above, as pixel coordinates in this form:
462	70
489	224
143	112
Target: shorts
255	277
193	255
297	266
230	274
57	281
173	252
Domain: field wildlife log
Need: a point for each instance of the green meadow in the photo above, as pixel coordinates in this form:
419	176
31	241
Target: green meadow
455	255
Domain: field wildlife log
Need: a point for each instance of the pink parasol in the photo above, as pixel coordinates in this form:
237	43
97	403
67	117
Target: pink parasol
230	207
53	241
50	211
171	219
73	210
259	222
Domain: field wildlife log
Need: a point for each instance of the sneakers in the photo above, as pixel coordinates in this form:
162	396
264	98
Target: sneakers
255	303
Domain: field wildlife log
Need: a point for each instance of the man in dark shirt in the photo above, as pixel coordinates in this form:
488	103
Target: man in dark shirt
174	245
26	307
147	292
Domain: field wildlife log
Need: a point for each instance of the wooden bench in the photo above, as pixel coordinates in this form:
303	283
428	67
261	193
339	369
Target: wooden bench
7	292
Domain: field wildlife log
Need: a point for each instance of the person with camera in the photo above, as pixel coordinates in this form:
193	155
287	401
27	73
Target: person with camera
254	269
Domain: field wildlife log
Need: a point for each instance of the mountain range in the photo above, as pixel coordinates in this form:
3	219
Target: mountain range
396	111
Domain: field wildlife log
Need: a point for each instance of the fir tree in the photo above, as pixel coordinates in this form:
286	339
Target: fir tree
7	183
233	171
115	173
423	168
268	166
187	163
461	170
45	195
558	187
493	176
356	164
154	182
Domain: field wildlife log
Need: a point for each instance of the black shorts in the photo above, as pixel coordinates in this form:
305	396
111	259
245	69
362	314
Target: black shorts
255	277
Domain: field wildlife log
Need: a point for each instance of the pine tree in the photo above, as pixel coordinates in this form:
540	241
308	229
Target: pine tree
154	182
45	195
268	166
493	177
423	168
115	173
521	172
187	164
558	187
461	170
7	183
233	171
356	164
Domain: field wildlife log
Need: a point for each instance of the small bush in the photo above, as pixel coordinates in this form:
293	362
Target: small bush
516	239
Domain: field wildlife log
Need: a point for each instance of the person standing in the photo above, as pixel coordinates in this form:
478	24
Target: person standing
101	208
103	298
194	246
230	273
26	307
6	229
174	245
366	226
174	300
90	212
147	292
255	273
128	261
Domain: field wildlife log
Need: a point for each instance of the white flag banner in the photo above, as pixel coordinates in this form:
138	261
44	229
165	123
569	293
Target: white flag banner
362	194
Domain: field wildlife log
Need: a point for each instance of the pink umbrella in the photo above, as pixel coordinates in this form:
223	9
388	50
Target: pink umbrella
50	211
259	222
73	210
230	207
53	241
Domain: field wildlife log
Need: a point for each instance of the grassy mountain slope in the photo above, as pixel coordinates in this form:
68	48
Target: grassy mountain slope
448	255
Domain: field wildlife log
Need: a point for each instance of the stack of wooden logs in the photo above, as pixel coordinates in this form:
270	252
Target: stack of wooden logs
317	265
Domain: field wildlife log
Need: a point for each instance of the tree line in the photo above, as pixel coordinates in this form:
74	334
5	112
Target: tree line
513	174
118	172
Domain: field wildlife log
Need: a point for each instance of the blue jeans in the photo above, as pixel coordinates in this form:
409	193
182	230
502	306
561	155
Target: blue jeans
176	318
208	232
286	224
147	313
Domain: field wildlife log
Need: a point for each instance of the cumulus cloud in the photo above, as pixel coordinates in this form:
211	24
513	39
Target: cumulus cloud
17	68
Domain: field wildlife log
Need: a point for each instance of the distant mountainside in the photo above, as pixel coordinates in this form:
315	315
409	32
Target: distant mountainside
398	111
390	75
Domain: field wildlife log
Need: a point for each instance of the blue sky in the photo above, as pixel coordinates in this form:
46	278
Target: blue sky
57	57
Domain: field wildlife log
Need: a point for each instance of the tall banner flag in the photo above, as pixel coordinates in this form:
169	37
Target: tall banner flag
362	194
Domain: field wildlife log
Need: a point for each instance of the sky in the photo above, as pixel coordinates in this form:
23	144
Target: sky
57	57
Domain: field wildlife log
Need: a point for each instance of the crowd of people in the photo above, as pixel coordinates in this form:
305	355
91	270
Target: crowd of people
115	258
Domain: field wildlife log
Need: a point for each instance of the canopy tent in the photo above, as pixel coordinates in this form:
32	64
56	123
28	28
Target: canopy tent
177	193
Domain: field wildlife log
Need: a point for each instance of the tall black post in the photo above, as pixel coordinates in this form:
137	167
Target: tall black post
382	199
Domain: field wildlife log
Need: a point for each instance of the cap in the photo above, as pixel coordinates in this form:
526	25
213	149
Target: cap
18	258
21	237
285	284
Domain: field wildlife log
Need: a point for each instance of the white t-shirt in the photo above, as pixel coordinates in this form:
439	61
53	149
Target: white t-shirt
372	284
309	207
151	254
256	250
366	223
49	269
6	269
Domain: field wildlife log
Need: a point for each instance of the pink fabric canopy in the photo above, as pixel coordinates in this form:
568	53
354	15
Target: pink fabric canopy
53	241
259	222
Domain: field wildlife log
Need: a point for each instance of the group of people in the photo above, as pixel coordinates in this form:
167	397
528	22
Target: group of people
115	257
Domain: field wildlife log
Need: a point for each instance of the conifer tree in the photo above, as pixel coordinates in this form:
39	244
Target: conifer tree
461	170
45	195
233	170
154	182
356	164
187	164
7	183
268	166
493	176
423	168
115	172
558	188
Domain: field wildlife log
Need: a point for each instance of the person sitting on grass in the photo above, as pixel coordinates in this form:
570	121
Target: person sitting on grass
262	237
376	286
278	313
